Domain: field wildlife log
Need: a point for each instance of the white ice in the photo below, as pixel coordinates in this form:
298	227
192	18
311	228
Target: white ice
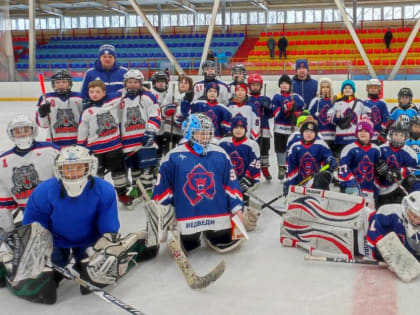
261	277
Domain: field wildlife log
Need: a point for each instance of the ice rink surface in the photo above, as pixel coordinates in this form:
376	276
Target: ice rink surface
261	277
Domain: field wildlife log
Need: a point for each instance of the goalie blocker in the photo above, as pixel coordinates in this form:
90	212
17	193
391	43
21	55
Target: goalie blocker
325	223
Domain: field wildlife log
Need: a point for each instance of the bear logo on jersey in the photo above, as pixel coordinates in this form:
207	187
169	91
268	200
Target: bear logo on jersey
106	124
238	163
24	180
364	171
134	120
323	115
199	185
307	165
375	115
392	162
65	121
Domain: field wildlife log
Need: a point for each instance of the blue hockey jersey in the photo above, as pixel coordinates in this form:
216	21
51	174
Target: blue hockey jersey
245	157
415	146
203	189
399	114
284	122
304	160
74	222
357	168
379	115
319	108
296	137
264	113
403	159
388	219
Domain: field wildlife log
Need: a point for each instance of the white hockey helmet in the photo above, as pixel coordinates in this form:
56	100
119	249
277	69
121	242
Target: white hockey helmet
74	166
411	215
18	131
373	82
133	74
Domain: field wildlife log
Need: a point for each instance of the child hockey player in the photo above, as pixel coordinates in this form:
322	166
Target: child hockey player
140	121
398	161
218	113
287	106
379	111
357	164
297	135
60	110
319	108
209	72
241	104
264	107
99	131
238	76
345	114
414	144
307	157
405	109
198	179
24	166
244	154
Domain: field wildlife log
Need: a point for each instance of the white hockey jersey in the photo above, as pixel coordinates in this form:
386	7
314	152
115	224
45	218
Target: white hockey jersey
249	111
20	174
63	120
224	91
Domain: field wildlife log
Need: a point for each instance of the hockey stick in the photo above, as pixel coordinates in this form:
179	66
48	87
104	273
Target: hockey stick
359	261
44	95
279	212
193	280
97	291
171	136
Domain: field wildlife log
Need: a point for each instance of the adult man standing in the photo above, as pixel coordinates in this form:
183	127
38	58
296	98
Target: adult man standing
302	83
283	43
388	38
271	44
105	69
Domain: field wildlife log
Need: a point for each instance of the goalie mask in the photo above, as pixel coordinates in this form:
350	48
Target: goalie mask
411	215
198	131
22	131
74	167
135	75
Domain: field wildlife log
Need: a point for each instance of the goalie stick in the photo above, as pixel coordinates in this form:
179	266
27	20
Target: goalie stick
193	280
360	261
265	204
97	291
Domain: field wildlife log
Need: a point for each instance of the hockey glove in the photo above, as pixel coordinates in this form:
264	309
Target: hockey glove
381	168
266	103
170	110
352	190
44	109
246	183
250	218
148	139
189	96
289	106
393	175
322	180
345	122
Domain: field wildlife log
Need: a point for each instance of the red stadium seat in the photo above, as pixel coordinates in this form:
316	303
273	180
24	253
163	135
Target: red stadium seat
277	34
341	41
333	42
305	42
378	40
269	33
288	33
346	51
369	51
410	62
265	53
302	33
319	42
363	40
338	52
376	62
295	33
371	30
401	40
336	32
354	62
262	34
370	41
343	32
393	61
308	52
360	62
324	52
385	62
315	52
329	32
378	30
301	52
326	41
298	42
252	53
378	50
331	52
418	62
312	42
308	32
292	42
349	41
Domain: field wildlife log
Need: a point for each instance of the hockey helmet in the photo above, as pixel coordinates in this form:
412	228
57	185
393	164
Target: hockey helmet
373	82
74	167
133	74
255	78
238	69
198	131
62	75
22	131
411	216
398	127
209	75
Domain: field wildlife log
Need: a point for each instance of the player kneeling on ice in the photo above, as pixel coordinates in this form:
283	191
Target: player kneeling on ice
394	236
74	212
245	156
198	179
307	158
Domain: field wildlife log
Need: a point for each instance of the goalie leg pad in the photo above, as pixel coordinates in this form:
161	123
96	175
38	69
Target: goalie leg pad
221	241
312	236
159	220
398	258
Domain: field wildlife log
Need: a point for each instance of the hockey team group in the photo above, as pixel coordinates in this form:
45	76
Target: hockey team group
194	153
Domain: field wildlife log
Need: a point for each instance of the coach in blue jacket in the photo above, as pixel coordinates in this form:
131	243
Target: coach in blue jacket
302	83
106	69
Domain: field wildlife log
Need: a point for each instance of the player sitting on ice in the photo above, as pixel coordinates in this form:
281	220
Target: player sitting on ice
25	165
198	179
210	72
265	110
287	106
307	157
60	110
99	131
414	143
405	109
357	164
397	163
245	156
238	76
140	121
209	105
379	111
71	215
394	236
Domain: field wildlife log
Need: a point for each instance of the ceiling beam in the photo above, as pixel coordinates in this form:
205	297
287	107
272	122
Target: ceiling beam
185	4
48	9
113	6
262	4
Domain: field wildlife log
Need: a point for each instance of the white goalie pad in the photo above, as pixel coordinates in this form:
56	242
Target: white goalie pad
159	220
339	216
111	257
398	258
